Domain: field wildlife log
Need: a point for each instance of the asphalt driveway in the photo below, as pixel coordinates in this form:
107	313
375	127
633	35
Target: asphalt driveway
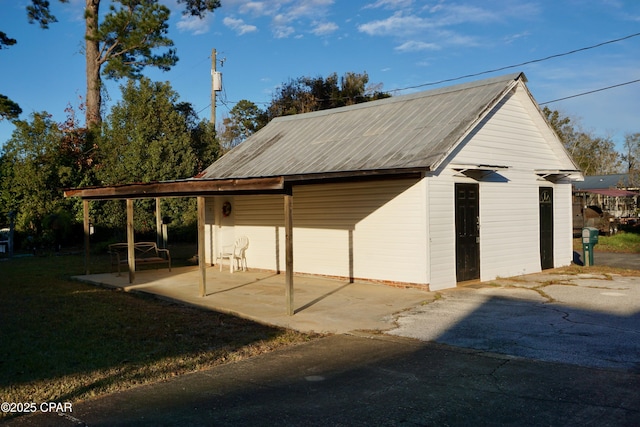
630	261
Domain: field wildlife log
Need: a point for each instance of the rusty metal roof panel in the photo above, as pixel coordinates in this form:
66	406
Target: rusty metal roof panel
405	132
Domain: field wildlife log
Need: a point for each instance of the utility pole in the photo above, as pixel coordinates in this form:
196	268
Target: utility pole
216	85
213	87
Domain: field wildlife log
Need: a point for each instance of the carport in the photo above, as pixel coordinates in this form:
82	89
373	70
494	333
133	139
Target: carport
201	188
198	188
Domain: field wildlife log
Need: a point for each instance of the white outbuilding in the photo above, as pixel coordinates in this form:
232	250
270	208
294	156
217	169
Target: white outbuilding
431	189
467	182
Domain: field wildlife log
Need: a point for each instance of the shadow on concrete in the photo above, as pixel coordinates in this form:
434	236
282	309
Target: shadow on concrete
549	332
242	285
321	298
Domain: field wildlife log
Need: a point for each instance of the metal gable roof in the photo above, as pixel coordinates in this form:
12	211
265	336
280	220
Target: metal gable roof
411	132
620	180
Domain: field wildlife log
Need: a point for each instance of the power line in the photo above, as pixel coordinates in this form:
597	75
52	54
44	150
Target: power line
553	100
533	61
590	92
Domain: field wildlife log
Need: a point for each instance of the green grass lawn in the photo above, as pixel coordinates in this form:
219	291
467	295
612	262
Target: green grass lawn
65	341
622	242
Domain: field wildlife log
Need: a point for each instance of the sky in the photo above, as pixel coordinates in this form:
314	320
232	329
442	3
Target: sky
404	46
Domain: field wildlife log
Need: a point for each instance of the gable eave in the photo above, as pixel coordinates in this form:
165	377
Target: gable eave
558	146
459	135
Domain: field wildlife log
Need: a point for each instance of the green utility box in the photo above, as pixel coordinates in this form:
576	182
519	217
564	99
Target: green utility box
589	240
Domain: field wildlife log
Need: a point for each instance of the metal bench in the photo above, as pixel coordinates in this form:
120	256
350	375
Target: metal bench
145	253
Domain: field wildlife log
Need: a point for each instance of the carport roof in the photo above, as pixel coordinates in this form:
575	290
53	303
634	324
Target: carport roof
179	188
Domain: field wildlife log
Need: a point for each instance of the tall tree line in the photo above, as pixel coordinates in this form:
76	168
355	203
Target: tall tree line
149	135
594	155
42	157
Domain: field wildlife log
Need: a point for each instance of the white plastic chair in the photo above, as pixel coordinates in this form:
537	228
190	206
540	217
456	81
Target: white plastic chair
236	254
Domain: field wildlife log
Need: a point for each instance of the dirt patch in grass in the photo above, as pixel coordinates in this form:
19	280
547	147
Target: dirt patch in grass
65	341
596	269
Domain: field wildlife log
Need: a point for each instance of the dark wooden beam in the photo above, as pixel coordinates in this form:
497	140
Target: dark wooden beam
186	188
355	176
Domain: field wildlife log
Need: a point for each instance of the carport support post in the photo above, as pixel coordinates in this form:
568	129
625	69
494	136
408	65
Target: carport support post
131	254
288	232
201	248
159	240
87	234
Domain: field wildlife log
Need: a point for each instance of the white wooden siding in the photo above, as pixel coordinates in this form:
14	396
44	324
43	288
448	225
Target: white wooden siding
261	219
210	230
374	230
509	229
442	237
563	226
219	230
515	134
509	211
390	242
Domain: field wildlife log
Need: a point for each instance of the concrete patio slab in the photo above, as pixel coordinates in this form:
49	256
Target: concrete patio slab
320	305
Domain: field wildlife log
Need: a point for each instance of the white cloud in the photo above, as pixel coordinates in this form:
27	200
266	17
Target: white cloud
283	31
451	38
415	46
511	38
458	14
256	8
288	17
324	28
389	4
444	14
406	21
194	25
309	8
239	26
280	19
394	25
441	24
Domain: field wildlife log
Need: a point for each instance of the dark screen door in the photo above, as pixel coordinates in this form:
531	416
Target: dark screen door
546	227
467	232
